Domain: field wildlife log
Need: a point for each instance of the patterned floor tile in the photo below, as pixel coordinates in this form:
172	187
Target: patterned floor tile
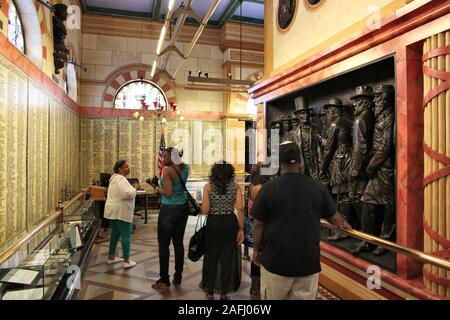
112	282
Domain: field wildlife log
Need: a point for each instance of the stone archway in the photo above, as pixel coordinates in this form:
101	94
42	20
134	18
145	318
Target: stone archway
135	72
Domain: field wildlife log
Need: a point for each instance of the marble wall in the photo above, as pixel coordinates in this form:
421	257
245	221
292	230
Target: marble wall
105	54
337	19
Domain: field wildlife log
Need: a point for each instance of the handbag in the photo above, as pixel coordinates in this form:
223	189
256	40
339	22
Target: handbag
197	241
193	206
248	228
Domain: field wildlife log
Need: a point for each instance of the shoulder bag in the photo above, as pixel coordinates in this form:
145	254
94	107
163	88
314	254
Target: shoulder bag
197	242
193	206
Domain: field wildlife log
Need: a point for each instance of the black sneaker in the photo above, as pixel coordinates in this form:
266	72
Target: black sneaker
176	281
160	285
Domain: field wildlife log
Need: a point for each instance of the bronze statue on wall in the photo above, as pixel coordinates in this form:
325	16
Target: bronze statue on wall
338	151
61	53
307	136
274	125
363	127
378	197
350	150
286	11
286	133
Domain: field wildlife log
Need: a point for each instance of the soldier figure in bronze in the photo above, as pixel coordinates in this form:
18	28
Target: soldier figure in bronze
362	146
308	138
286	133
380	191
338	152
274	125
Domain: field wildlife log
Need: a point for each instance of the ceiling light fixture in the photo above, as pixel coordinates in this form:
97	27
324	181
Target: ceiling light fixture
218	84
153	69
171	4
161	39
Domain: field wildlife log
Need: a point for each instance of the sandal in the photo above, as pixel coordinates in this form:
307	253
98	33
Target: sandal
210	295
224	297
160	285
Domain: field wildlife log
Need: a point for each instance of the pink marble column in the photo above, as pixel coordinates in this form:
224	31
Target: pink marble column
409	86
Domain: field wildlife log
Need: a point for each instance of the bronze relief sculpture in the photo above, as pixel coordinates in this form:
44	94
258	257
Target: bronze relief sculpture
351	151
363	127
307	136
286	11
286	130
378	197
338	151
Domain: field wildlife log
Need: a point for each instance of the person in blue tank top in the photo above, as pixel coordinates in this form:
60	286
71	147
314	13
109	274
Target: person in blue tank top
173	216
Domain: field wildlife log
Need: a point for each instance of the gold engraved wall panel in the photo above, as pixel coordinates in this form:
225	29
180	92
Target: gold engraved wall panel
37	188
137	144
39	153
99	147
64	153
3	150
200	141
13	140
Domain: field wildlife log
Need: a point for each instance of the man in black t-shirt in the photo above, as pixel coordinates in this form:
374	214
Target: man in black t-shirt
286	235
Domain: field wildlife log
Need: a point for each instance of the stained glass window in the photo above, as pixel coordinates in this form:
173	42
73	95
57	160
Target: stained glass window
136	94
15	31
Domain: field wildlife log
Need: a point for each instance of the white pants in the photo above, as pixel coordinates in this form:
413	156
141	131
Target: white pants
276	287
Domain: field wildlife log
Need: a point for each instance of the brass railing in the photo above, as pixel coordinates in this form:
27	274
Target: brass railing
413	253
54	216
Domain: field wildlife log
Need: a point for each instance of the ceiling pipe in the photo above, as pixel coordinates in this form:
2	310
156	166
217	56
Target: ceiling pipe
197	35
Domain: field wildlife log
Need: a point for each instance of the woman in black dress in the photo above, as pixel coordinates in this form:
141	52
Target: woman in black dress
224	232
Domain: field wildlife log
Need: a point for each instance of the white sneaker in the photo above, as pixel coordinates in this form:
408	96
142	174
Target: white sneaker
116	260
128	265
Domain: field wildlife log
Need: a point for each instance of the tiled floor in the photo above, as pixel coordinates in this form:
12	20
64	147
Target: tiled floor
112	282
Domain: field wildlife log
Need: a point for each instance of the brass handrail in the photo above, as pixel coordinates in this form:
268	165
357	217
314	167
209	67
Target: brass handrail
54	215
413	253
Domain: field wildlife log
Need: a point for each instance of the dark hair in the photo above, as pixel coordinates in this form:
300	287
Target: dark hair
118	165
256	177
222	174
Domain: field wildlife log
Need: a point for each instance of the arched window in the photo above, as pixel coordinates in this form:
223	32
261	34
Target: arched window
137	93
71	82
15	30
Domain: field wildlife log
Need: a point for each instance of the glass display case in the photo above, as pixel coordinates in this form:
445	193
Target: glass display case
37	275
82	216
39	269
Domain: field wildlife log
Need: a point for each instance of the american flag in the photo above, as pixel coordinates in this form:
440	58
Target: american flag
162	146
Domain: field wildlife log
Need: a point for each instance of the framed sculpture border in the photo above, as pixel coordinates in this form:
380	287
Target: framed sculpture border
313	7
288	28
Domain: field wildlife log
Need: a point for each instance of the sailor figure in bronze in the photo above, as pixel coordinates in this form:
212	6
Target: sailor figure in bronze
380	191
363	127
338	152
307	136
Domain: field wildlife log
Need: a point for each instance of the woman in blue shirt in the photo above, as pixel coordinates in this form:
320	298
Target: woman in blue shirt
173	216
